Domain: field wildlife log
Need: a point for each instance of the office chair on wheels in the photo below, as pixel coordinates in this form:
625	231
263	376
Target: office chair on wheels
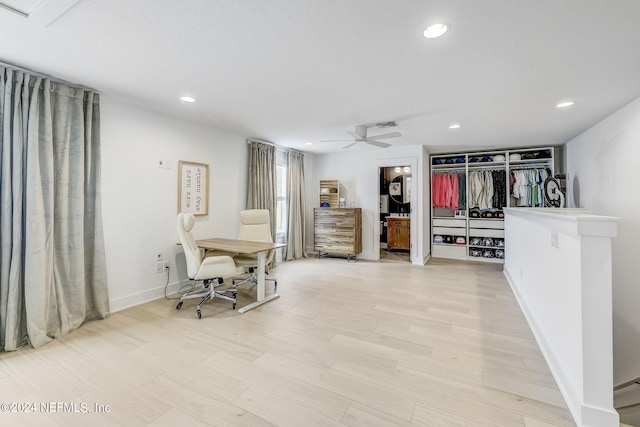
210	270
255	225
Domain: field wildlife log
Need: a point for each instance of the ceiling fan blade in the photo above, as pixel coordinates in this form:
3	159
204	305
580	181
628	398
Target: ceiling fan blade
355	135
386	135
336	140
350	145
377	143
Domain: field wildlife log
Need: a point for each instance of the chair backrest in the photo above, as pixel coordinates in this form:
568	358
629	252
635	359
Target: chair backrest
192	253
255	225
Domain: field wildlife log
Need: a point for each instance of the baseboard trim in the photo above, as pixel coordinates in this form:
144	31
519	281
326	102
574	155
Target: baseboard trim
122	303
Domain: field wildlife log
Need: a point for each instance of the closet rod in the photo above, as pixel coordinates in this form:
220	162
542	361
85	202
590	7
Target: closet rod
489	167
531	166
448	170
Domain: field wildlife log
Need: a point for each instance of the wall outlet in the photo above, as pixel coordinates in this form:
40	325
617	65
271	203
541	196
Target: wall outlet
159	268
167	264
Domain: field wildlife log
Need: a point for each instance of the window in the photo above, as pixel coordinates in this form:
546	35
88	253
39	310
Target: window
281	197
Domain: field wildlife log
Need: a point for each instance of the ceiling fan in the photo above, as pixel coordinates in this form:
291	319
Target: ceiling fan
360	135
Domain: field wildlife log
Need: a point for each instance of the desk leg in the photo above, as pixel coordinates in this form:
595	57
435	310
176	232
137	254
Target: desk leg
260	288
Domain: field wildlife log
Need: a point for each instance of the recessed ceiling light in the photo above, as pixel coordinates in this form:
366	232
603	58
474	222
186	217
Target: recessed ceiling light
565	104
434	31
455	126
187	99
308	143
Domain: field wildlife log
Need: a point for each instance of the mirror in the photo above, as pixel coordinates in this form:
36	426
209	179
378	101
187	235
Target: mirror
399	189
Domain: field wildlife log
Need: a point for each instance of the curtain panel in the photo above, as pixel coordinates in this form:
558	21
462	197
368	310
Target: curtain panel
261	192
262	179
296	242
52	259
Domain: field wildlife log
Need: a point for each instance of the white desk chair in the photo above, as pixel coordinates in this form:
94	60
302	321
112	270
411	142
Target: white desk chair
255	225
207	270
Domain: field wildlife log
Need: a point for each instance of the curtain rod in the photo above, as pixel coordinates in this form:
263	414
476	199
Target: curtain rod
46	76
262	141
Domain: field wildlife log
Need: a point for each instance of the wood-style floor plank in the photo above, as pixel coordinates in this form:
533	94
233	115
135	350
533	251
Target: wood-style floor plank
347	343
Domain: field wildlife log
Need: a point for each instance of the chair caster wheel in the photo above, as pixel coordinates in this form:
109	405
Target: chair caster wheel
199	313
179	306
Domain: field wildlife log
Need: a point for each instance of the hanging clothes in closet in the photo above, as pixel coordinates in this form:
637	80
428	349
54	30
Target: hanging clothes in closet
527	186
448	190
487	189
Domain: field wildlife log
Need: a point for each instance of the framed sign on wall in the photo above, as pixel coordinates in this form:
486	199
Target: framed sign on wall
193	188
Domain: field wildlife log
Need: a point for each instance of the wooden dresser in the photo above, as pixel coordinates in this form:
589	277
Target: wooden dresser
398	233
337	231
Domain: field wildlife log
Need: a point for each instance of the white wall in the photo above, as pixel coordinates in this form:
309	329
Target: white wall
139	200
357	170
603	165
558	263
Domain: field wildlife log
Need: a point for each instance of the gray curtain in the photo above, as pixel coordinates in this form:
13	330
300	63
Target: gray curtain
296	207
262	179
52	260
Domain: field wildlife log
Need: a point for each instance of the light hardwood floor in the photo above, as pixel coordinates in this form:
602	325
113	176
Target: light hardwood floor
347	343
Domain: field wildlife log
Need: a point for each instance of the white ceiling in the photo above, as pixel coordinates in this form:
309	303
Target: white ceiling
296	71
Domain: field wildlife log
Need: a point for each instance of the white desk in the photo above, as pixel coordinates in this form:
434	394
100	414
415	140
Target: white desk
247	247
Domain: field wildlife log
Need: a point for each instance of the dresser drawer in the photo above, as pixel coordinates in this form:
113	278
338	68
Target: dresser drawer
486	223
485	232
449	251
443	222
449	231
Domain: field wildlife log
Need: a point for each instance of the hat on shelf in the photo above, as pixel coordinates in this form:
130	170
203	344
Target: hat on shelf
449	161
459	159
325	205
474	159
486	159
437	161
460	240
544	154
499	158
438	239
448	239
515	157
529	156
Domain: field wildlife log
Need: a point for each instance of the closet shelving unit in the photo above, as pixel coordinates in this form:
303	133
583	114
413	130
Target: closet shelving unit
484	238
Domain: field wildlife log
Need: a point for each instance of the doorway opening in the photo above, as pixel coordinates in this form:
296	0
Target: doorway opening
395	213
